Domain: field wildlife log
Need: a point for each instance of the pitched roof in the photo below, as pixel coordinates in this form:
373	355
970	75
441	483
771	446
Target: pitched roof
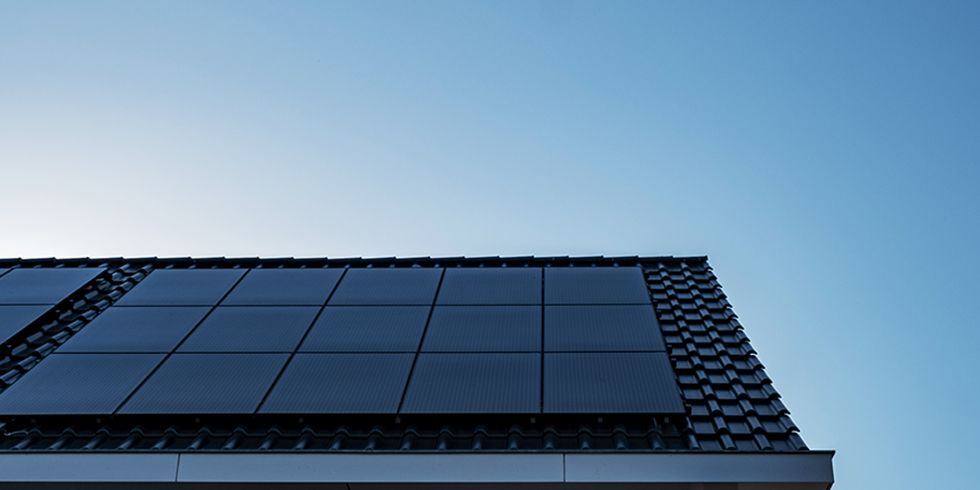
728	400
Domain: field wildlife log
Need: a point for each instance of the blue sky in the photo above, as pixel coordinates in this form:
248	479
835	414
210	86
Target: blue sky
823	154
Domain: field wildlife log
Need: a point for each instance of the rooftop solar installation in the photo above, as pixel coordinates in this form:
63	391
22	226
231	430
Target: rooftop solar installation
373	340
182	287
367	329
603	382
77	384
13	319
601	328
207	383
43	286
475	383
484	329
595	285
136	329
251	329
491	286
341	383
285	287
413	286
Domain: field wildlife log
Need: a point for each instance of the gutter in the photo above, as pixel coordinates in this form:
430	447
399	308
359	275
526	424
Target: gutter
804	470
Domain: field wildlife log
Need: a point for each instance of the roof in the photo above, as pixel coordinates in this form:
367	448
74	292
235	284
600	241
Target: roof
728	403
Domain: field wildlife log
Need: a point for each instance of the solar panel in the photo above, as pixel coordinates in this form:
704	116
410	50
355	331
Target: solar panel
207	383
491	286
484	328
182	287
43	286
367	329
251	329
595	285
284	287
602	328
621	382
341	383
13	319
475	383
77	384
387	287
136	329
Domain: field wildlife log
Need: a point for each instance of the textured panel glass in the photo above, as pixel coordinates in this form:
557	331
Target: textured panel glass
182	287
136	329
387	287
341	383
13	319
43	286
475	383
251	329
75	384
491	286
367	329
595	285
207	383
484	328
621	382
602	328
284	287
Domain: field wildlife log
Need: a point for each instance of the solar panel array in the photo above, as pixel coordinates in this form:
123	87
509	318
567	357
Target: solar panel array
26	294
373	340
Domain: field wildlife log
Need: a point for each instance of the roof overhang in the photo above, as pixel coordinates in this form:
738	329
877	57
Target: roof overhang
633	471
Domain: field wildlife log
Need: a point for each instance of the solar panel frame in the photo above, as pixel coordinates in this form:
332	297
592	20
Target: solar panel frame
491	286
340	383
207	383
443	383
484	329
388	286
44	286
182	287
284	287
367	329
585	328
251	329
136	329
77	384
616	382
595	285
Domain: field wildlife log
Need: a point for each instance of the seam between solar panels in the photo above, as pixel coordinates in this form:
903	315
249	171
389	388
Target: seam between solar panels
541	366
418	351
170	354
299	344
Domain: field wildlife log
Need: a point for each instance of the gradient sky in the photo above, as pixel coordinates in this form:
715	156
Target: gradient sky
824	155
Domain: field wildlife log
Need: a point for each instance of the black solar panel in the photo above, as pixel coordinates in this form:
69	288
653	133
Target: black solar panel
595	285
207	383
620	382
602	328
136	329
14	318
77	384
284	287
43	286
475	383
251	329
341	383
484	328
182	287
367	329
491	286
387	287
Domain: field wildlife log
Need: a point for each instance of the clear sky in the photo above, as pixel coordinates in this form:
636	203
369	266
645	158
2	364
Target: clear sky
825	155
